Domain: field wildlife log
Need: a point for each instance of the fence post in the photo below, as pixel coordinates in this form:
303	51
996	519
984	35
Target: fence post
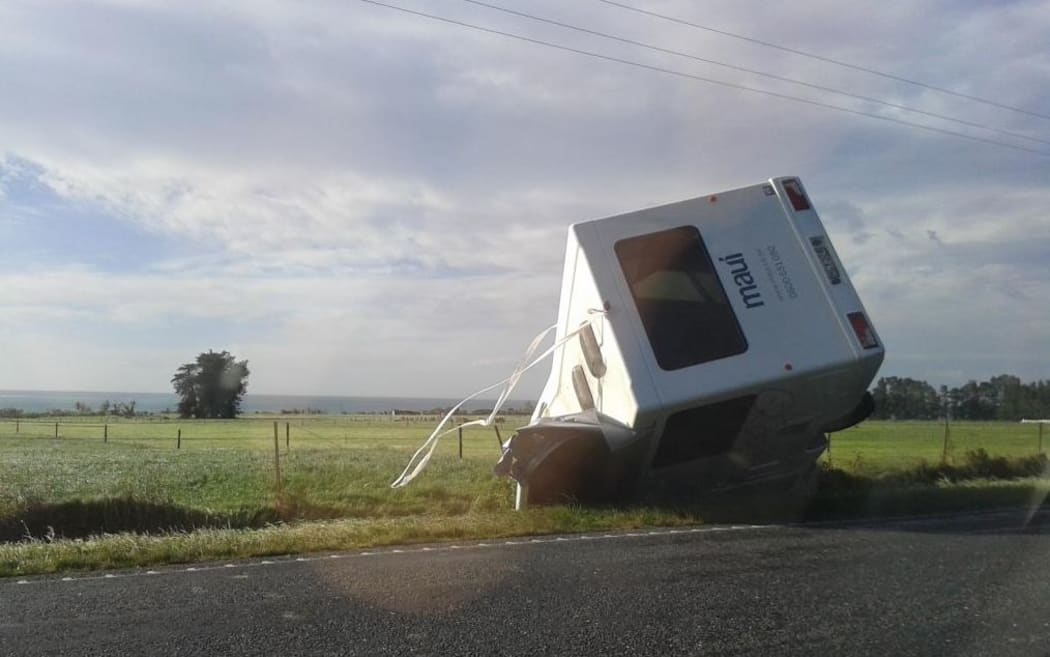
499	438
56	429
460	431
276	457
105	433
947	432
178	439
287	437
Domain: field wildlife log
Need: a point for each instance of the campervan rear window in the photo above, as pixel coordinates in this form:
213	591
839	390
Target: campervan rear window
679	297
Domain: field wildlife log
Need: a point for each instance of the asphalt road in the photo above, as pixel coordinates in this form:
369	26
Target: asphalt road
967	585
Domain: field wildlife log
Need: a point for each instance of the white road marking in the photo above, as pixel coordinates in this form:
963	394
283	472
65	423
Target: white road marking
873	522
399	550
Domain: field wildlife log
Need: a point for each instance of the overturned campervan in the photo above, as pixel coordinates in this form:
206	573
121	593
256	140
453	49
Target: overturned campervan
715	340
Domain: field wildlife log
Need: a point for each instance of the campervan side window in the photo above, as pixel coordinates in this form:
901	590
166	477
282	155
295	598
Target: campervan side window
679	297
702	432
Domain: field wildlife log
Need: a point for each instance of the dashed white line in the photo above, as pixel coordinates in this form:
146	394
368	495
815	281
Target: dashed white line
446	548
426	548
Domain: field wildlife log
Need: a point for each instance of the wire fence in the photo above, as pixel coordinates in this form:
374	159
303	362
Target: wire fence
882	445
332	430
87	475
926	439
888	445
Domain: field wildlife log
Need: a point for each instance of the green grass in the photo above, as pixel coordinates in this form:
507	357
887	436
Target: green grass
224	473
130	550
335	493
878	447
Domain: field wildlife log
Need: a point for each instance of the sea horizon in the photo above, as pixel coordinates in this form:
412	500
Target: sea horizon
42	401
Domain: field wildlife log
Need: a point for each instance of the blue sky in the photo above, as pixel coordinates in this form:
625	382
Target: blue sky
364	202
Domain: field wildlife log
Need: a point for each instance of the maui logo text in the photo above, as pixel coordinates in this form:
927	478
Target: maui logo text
745	282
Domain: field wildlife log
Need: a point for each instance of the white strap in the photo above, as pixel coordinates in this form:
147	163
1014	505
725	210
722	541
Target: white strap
422	455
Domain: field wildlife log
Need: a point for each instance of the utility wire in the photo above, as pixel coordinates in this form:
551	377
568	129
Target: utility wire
830	60
744	69
682	74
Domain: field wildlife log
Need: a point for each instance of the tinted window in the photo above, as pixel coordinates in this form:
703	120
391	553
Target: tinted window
680	300
701	432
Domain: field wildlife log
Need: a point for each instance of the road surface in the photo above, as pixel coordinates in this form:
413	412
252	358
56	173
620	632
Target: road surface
965	585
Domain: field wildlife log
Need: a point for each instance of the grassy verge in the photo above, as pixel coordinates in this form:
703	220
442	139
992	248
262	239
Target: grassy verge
942	497
841	496
134	499
131	550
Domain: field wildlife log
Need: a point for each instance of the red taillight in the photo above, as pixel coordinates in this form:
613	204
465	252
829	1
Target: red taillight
863	330
796	195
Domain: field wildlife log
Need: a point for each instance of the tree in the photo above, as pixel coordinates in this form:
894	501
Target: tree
1003	397
212	386
123	409
905	398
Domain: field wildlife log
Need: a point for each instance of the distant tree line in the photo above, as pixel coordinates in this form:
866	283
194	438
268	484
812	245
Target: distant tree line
1003	397
302	411
123	409
107	408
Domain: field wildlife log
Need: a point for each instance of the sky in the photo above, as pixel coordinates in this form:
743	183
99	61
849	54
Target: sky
361	201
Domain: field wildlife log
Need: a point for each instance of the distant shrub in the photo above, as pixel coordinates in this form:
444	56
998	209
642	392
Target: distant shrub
976	464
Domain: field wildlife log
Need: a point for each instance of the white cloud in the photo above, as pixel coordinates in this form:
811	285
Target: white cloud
356	190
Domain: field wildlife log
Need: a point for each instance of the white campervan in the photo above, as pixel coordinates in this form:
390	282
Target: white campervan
718	340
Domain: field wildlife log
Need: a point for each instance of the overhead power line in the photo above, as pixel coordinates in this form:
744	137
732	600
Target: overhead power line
721	83
772	76
829	60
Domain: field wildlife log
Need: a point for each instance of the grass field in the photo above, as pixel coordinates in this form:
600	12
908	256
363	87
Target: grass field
875	448
94	479
225	470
